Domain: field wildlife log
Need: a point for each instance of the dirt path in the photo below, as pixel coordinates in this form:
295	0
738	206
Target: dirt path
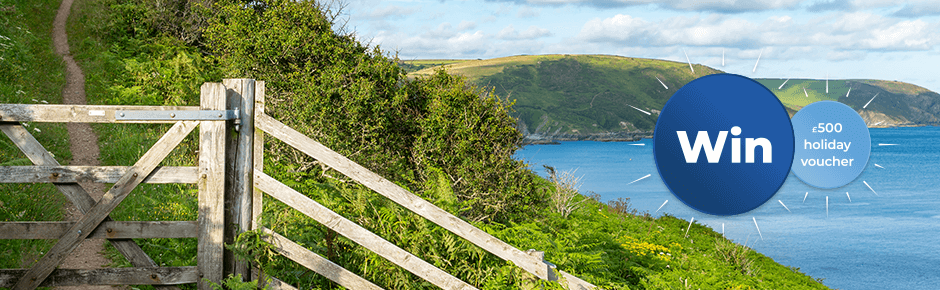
84	146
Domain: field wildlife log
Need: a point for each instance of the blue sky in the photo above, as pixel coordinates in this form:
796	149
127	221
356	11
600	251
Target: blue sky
891	40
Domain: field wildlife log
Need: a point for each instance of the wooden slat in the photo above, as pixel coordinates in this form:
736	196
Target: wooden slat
257	196
74	192
211	186
270	282
108	276
357	233
244	91
100	174
575	283
107	230
76	113
84	226
277	284
401	196
317	263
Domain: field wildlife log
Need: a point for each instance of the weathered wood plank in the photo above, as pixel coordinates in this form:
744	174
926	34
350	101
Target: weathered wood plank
74	192
108	276
100	174
401	196
84	226
243	188
575	283
270	282
211	187
317	263
77	113
357	233
257	197
107	230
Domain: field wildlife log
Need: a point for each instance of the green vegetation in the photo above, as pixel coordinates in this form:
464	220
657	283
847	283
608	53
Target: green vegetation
421	64
792	95
30	73
901	102
437	135
580	94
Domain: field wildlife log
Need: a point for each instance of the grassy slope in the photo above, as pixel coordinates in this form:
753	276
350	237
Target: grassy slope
30	73
580	93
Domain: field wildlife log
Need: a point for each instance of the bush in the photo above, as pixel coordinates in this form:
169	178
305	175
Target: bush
356	100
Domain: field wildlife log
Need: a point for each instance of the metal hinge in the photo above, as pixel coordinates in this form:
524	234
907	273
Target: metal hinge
195	115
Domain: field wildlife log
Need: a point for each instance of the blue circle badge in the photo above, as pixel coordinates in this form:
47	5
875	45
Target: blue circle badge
723	144
832	144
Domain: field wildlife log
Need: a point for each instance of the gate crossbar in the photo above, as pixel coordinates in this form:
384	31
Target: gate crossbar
100	211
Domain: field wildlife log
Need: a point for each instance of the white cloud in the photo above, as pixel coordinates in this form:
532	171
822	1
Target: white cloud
465	25
527	12
725	6
532	32
391	11
904	35
619	28
854	31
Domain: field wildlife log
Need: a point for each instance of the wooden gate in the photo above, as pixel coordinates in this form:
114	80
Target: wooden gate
224	156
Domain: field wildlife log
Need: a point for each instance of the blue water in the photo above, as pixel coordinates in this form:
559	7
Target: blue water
883	241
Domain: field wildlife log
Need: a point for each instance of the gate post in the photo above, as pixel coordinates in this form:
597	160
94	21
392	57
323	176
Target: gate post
211	188
241	96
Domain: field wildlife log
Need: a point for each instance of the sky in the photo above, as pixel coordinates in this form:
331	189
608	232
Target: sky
835	39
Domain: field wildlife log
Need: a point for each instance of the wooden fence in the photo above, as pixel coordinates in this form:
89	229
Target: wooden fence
231	188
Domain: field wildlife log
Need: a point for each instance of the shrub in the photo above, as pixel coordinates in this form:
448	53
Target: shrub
356	100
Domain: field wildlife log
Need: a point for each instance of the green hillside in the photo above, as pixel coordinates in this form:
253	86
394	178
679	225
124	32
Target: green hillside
580	94
571	97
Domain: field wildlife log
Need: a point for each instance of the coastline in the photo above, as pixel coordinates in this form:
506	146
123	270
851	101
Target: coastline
538	139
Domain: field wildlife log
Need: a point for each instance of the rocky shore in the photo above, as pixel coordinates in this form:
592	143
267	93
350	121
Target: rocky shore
602	137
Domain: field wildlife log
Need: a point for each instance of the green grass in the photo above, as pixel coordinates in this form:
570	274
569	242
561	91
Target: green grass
793	96
31	74
420	64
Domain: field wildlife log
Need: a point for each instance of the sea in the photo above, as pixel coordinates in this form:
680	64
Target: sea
886	237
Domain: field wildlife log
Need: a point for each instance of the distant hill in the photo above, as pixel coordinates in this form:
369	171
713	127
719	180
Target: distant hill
603	97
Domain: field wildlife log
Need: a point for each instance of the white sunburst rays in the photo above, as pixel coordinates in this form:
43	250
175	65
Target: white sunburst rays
783	84
661	82
758	60
641	178
869	101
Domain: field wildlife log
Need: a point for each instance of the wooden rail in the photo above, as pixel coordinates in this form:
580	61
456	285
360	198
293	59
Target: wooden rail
357	233
531	262
99	174
107	230
418	205
107	276
78	113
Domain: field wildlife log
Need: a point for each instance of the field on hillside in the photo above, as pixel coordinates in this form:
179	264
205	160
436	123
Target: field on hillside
797	93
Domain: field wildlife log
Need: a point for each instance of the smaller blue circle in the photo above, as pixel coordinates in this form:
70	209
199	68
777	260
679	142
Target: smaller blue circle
832	144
